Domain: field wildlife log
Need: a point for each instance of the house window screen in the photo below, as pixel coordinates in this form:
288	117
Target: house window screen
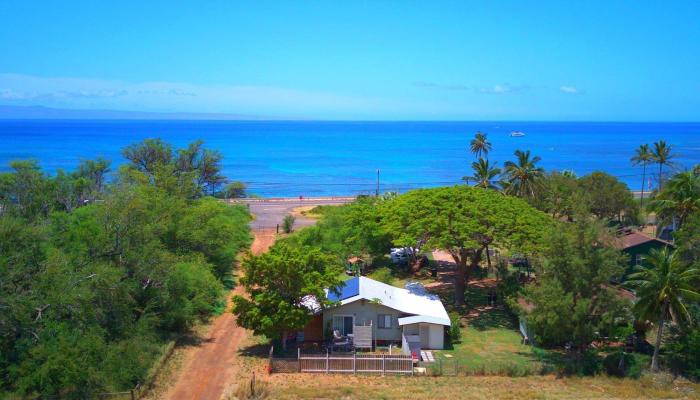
385	321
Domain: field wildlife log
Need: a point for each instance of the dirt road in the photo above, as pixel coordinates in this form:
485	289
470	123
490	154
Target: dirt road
207	370
209	367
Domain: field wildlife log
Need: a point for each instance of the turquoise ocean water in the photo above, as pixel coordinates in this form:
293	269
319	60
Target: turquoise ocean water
281	158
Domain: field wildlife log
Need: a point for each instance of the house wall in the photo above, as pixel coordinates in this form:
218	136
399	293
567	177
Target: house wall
313	331
642	249
364	312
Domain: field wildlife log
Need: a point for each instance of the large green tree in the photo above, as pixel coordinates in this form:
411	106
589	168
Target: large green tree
608	198
464	221
280	284
665	287
572	299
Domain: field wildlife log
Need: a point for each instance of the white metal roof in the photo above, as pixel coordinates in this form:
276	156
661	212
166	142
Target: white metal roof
414	300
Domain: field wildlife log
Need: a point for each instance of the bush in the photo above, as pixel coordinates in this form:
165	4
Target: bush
288	223
622	365
455	331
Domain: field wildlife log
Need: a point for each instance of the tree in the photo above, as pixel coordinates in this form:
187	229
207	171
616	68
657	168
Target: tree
608	197
279	283
480	145
572	299
662	155
147	155
464	221
561	196
485	174
664	287
679	199
288	223
235	190
643	156
95	172
523	176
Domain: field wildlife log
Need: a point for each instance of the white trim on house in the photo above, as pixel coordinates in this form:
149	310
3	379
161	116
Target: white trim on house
422	318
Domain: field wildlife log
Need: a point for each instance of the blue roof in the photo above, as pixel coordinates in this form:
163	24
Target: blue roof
347	289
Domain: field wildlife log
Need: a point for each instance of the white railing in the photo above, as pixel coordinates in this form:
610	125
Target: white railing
354	363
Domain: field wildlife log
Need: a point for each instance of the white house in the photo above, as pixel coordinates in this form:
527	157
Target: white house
373	312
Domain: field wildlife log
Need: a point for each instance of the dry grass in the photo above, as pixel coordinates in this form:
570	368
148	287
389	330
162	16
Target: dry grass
308	386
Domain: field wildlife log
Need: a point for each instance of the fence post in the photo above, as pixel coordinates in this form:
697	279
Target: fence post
455	367
299	358
327	362
383	364
354	363
132	394
440	364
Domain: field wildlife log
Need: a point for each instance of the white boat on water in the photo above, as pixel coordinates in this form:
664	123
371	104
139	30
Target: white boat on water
516	134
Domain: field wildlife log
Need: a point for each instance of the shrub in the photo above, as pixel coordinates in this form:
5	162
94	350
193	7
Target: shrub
622	365
288	223
455	331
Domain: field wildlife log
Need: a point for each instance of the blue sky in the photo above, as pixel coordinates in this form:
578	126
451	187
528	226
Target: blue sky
431	60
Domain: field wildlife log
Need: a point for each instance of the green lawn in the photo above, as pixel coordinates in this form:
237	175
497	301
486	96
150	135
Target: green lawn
490	339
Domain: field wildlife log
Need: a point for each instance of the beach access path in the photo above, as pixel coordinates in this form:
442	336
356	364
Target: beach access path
208	368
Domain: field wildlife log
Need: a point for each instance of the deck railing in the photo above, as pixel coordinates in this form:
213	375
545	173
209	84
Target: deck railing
347	363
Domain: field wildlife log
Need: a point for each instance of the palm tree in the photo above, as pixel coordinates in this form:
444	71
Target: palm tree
662	156
523	176
485	174
679	199
643	156
664	287
480	145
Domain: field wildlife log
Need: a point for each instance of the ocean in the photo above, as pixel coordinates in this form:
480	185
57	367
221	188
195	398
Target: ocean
283	158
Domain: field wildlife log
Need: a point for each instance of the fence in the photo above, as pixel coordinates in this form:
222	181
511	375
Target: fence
343	363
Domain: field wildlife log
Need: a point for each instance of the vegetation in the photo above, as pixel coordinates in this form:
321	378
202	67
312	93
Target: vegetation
643	156
480	145
465	222
665	287
279	282
679	199
96	277
485	174
523	177
663	156
288	223
572	301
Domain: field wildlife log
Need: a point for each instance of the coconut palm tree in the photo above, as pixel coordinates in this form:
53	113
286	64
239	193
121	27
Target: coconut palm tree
480	145
662	155
523	176
679	199
485	174
664	287
643	156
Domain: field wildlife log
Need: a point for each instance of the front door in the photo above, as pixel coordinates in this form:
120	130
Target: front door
424	336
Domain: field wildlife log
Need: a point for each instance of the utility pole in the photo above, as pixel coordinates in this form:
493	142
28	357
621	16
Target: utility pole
377	192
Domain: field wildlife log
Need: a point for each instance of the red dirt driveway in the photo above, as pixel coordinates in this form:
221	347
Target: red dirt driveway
209	368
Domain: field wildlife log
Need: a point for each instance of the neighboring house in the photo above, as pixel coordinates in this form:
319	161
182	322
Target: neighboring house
376	313
637	245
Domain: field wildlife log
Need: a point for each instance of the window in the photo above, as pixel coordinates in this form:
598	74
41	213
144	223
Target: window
384	321
343	324
638	259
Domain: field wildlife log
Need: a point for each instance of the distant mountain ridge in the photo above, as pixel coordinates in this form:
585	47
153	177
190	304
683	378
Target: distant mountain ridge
41	112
